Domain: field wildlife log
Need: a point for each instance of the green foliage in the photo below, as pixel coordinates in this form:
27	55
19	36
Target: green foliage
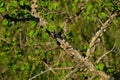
52	6
111	70
102	15
2	8
89	7
100	66
96	78
5	22
26	49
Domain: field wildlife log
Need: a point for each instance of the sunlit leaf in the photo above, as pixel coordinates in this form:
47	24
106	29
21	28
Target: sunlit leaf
2	4
14	4
52	6
2	9
89	7
100	66
32	24
22	67
102	15
21	2
31	33
5	22
45	36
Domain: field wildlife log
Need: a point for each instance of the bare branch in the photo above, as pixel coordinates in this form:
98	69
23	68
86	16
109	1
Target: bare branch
105	54
70	50
99	34
80	59
109	14
49	67
36	14
62	68
42	72
73	71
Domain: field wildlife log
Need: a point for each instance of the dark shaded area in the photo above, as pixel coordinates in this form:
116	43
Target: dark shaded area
117	76
6	16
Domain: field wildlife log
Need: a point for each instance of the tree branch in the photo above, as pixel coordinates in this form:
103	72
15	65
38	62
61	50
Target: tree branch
70	50
42	72
73	71
99	34
105	54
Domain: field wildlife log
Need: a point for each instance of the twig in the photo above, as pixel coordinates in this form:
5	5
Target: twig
109	14
73	71
62	68
49	67
20	39
105	54
34	13
69	49
42	72
99	34
81	60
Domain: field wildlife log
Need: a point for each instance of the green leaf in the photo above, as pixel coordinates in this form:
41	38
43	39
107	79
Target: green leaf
2	53
14	4
2	4
31	33
22	67
100	66
118	8
24	2
27	3
5	22
14	12
69	64
32	24
37	51
53	6
42	55
63	72
96	78
76	1
21	2
44	3
14	66
102	15
74	8
85	46
50	26
89	7
111	70
45	36
2	10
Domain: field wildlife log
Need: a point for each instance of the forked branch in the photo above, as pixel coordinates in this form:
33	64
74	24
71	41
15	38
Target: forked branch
98	34
71	51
